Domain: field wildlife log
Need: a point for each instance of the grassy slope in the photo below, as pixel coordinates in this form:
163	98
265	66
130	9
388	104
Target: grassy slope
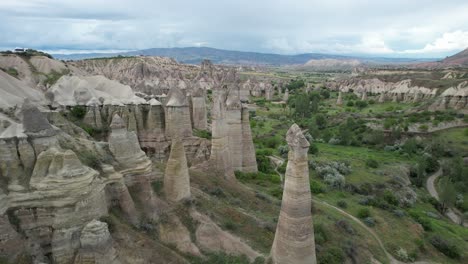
395	232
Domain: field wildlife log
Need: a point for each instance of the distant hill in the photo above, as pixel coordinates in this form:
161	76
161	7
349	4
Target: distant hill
460	58
194	55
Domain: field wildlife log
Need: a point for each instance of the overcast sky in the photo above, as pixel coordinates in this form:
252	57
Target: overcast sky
402	28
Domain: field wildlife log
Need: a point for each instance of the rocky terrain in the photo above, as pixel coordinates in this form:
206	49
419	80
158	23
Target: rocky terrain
147	160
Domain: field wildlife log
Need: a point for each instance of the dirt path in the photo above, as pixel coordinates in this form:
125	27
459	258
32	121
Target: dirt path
431	188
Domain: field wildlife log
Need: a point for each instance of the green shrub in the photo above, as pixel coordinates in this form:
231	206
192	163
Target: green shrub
202	133
313	149
372	163
423	128
350	103
78	112
364	213
445	247
332	255
321	235
316	187
361	104
342	204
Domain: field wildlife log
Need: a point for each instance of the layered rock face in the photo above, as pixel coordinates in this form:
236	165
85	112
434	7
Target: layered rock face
178	122
402	91
453	97
150	75
294	237
134	165
176	177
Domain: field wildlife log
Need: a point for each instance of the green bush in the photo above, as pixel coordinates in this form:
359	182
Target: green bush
445	247
361	104
316	187
202	133
372	163
364	213
332	255
313	149
78	112
350	103
342	204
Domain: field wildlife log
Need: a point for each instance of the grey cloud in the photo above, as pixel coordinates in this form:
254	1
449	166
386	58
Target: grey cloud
334	26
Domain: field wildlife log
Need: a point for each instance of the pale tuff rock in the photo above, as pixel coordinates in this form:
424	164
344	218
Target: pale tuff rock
91	90
269	91
177	117
339	101
286	95
13	92
404	89
249	161
220	156
11	243
148	74
33	120
364	96
62	193
382	97
294	237
199	109
234	128
245	91
174	232
96	245
93	117
133	164
453	97
212	238
176	177
47	65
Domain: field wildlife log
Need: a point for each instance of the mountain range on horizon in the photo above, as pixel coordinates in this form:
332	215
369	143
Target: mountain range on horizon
194	55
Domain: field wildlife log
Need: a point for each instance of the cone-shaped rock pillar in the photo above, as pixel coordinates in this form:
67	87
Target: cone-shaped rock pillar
176	177
382	97
178	121
249	161
234	128
339	101
199	109
220	156
286	95
364	96
294	237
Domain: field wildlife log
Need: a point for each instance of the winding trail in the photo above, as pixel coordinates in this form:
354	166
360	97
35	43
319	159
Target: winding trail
355	219
430	186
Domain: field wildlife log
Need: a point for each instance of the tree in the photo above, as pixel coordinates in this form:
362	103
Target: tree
321	121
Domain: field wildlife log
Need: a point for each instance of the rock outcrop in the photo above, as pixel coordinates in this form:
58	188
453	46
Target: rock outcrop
133	164
96	245
294	237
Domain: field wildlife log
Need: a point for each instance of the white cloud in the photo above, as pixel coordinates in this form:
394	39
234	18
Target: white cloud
451	41
393	28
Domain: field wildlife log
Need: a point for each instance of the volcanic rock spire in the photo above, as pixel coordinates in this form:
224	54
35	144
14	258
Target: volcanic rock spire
176	177
294	237
339	101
